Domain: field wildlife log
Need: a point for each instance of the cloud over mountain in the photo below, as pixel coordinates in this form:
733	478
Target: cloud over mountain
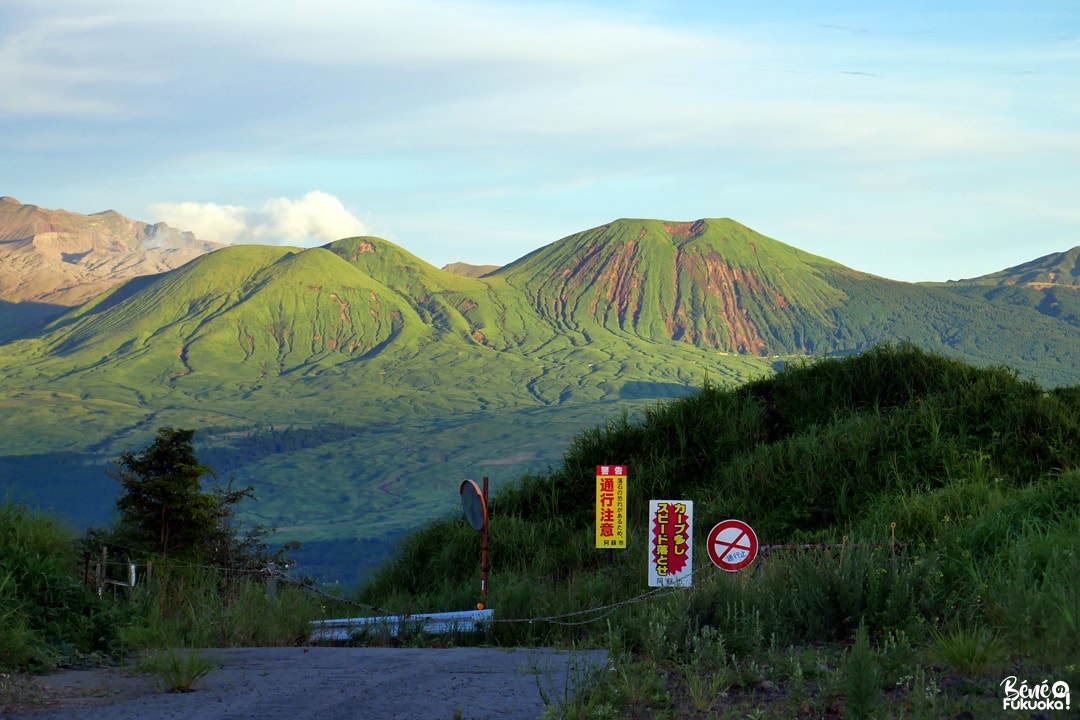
316	218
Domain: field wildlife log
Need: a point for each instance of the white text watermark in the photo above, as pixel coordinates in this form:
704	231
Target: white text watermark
1037	696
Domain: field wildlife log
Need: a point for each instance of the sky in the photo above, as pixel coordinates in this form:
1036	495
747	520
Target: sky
919	141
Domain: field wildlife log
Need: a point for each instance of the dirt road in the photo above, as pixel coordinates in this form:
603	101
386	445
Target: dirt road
331	683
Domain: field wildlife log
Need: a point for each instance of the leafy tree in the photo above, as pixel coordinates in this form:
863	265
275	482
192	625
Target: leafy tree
164	510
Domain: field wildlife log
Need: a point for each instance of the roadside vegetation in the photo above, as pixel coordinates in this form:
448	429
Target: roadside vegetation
68	600
948	497
942	502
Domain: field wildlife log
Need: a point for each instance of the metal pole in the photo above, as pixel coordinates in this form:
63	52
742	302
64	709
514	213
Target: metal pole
484	550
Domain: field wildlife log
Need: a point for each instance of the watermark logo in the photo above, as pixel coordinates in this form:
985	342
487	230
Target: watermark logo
1038	696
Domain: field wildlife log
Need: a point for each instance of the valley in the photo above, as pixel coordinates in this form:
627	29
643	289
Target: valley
356	385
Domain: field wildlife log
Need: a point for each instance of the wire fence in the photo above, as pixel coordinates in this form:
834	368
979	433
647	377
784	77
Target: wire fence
568	619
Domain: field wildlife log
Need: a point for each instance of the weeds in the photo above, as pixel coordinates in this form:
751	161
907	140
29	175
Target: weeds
975	471
971	651
176	670
583	696
861	678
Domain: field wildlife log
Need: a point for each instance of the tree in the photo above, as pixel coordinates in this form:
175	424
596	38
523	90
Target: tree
164	510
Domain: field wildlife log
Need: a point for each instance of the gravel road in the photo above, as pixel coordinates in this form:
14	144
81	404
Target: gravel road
331	683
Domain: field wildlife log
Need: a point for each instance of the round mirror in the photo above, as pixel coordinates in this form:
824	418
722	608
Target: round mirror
472	502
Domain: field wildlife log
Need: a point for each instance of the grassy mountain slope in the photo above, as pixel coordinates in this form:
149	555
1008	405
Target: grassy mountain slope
350	381
1049	284
431	374
944	497
827	446
974	327
232	316
712	284
469	270
1062	268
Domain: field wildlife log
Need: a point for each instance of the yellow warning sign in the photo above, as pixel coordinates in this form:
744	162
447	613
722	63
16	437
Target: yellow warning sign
611	506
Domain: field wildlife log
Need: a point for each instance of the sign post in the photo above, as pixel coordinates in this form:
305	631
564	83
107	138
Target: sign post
610	506
671	560
732	545
474	504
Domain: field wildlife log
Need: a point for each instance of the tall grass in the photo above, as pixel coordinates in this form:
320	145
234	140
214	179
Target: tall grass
953	490
48	617
201	608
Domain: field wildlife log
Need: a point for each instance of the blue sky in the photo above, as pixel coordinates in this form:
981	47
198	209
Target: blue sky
913	140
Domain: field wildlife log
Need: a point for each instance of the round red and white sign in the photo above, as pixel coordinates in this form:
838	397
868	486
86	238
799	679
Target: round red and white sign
732	545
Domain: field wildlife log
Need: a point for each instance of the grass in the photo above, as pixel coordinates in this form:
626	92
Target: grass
195	608
954	489
263	340
969	651
52	620
176	670
862	691
49	617
954	492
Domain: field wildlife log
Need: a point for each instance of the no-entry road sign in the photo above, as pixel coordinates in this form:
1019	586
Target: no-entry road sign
732	545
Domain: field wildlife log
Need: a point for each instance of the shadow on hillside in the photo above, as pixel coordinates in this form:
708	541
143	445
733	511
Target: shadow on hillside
80	489
18	319
654	390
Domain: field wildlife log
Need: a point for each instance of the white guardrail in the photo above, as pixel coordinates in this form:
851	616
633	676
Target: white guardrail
434	623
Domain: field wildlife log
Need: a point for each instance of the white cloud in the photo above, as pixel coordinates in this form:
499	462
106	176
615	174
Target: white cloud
209	221
314	219
489	111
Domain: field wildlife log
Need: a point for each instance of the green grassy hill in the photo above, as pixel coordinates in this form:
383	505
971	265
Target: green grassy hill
941	501
355	384
712	284
1049	285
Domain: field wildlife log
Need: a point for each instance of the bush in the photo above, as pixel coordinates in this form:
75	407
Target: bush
50	618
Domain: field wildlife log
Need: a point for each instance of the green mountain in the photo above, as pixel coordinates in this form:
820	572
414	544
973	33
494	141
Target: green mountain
356	385
711	284
1049	285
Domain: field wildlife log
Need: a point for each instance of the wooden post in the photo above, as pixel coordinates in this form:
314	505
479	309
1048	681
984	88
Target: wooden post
271	581
101	571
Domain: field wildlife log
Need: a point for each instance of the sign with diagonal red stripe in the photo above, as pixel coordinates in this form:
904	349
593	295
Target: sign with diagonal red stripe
732	545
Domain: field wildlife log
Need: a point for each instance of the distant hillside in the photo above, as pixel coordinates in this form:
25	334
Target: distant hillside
460	268
1061	268
64	258
1049	285
718	285
355	383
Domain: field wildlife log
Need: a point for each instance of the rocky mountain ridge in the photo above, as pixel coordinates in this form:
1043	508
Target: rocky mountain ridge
62	258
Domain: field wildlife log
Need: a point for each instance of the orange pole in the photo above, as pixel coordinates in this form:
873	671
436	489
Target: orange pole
484	550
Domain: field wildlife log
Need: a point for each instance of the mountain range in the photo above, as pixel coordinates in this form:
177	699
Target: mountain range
54	259
356	385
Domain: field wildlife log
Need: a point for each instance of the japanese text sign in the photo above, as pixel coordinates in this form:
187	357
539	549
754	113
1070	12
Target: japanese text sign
671	560
611	506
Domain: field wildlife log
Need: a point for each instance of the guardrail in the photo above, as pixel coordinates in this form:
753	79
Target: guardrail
342	629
